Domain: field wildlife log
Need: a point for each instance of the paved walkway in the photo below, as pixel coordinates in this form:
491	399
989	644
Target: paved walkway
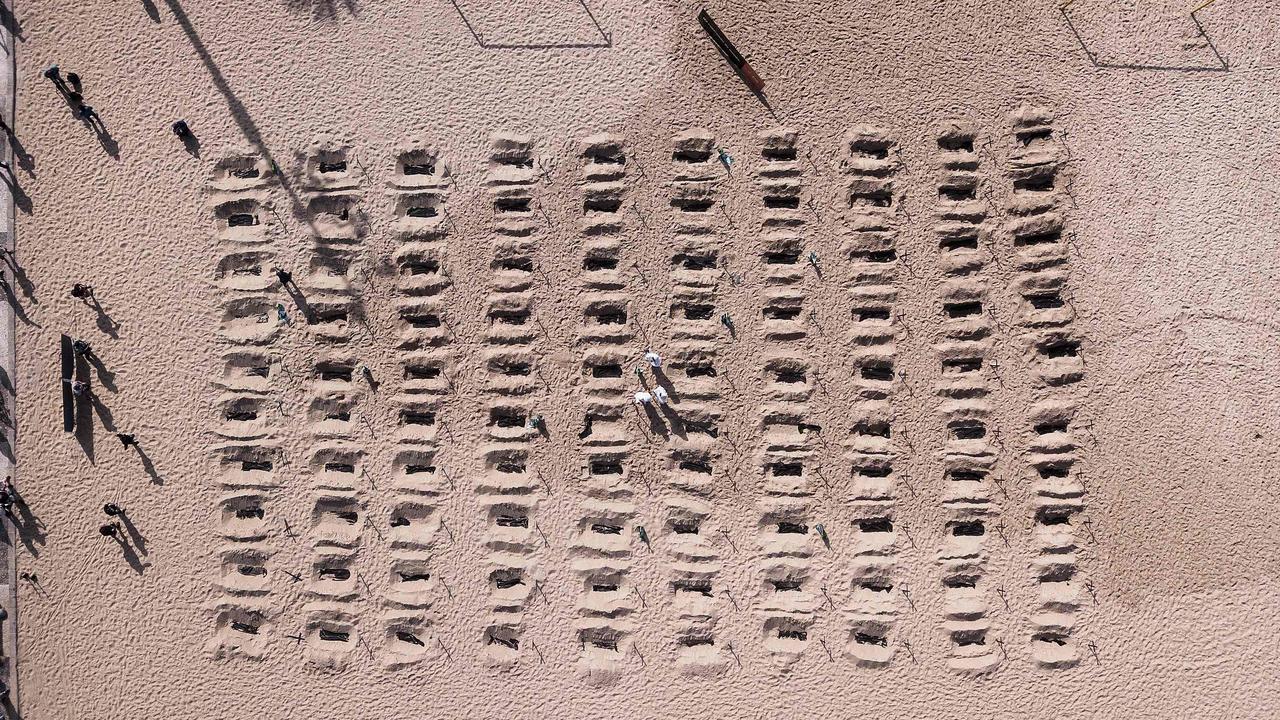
8	376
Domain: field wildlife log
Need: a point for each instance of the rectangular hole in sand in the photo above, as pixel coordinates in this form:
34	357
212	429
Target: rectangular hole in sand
865	638
421	372
509	578
692	585
793	528
1036	183
781	257
1052	471
781	313
960	581
789	376
961	365
606	529
334	372
1045	301
417	417
514	158
957	193
334	635
260	465
606	315
421	320
421	211
696	312
339	467
606	467
873	256
700	261
512	520
601	204
786	585
692	205
876	586
874	471
792	634
965	638
509	317
691	155
334	573
511	369
511	467
868	314
786	469
875	525
966	476
1053	516
512	204
870	198
511	643
870	148
880	372
612	156
420	469
782	202
964	242
969	528
1058	574
1061	349
419	168
517	264
506	418
339	415
685	527
1026	137
969	431
962	309
701	467
778	154
956	143
1055	426
420	267
611	370
338	166
604	587
242	220
702	427
597	263
330	315
700	370
1047	237
877	428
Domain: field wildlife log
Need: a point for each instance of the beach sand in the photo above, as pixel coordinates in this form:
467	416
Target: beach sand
964	397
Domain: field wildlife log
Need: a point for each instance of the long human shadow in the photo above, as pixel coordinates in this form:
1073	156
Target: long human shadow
1093	57
30	529
20	275
10	21
135	536
238	111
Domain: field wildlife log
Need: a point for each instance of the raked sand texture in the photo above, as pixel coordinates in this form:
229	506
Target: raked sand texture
964	401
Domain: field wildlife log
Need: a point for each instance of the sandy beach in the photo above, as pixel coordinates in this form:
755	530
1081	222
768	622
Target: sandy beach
472	359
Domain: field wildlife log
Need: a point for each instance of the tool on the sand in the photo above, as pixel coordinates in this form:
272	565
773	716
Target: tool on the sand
730	52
